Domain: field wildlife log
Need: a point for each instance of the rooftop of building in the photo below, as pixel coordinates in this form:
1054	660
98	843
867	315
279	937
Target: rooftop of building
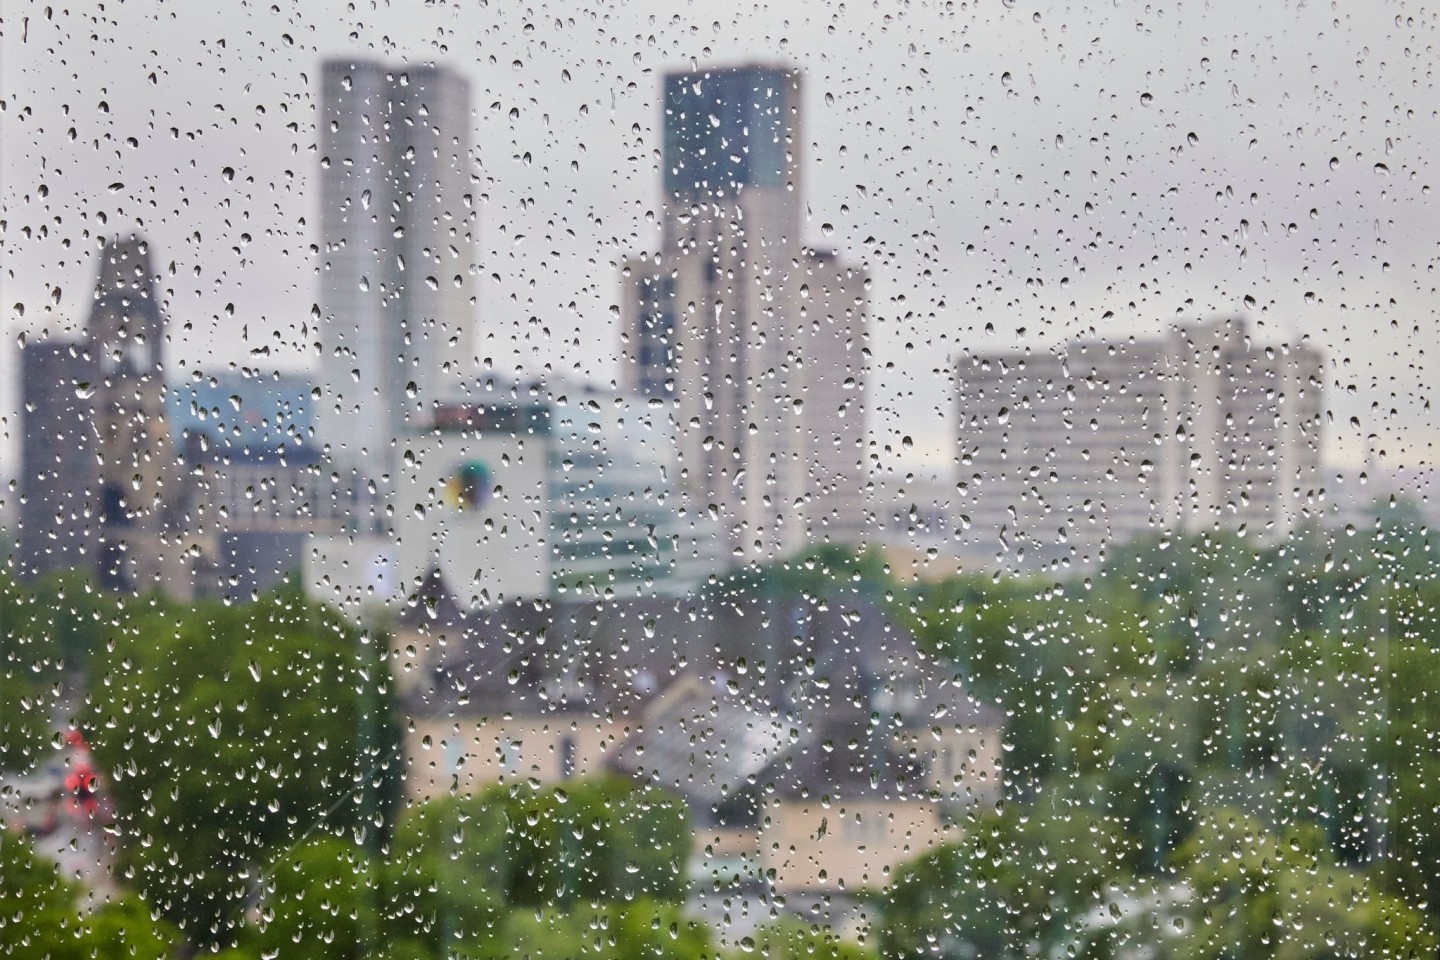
718	689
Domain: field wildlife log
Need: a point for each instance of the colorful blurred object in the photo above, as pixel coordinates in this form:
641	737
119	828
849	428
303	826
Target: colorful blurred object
471	487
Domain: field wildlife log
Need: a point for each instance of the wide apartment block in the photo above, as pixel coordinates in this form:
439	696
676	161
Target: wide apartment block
1201	429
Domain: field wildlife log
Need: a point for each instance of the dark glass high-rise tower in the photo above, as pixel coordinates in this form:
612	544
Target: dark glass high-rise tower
727	131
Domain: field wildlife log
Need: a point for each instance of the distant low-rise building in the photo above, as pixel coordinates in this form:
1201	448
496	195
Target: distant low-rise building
620	522
245	411
816	746
468	503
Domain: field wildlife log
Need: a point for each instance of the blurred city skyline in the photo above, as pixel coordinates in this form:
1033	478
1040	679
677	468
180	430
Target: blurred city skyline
1010	175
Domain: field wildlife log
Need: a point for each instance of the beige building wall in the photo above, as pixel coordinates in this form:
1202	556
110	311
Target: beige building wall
832	302
466	755
846	846
962	765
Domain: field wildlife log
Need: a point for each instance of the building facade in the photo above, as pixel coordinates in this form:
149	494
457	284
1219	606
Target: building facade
397	237
469	508
101	482
60	475
755	340
1201	429
619	524
242	410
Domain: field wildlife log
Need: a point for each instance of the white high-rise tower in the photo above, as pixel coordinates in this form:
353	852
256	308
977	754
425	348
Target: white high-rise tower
397	229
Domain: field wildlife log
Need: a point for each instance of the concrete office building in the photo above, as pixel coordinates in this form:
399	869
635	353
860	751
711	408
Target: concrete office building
756	340
468	516
239	410
397	237
1201	429
617	524
59	525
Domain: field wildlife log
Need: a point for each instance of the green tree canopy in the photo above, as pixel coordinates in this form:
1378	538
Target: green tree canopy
231	731
44	916
1016	885
1256	894
787	938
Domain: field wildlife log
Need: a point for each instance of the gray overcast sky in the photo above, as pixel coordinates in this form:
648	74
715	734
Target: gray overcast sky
1011	173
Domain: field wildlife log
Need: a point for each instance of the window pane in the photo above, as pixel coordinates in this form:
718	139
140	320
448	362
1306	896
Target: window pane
894	481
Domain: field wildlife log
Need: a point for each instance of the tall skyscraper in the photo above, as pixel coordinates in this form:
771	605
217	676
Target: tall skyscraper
397	225
742	326
1063	453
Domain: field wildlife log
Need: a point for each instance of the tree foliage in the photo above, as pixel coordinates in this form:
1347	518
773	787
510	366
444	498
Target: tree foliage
229	733
45	916
1016	885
